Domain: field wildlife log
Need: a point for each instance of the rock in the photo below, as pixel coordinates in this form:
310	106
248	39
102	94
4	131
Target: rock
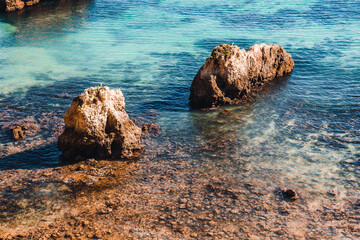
150	128
17	133
97	126
20	129
357	203
231	74
31	2
288	193
332	193
225	112
13	5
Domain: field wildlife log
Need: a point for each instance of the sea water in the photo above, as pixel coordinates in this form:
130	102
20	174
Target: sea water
304	129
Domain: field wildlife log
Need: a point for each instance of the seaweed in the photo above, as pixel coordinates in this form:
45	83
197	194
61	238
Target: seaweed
222	50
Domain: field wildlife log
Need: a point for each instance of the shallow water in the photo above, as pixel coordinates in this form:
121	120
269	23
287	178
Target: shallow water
302	131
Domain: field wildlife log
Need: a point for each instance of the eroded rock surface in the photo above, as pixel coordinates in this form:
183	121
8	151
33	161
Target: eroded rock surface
230	73
96	125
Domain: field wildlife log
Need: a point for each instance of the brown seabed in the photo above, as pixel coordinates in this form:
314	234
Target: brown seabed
159	198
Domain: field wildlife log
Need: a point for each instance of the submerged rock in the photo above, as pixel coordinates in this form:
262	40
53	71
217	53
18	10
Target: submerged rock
230	73
96	125
288	193
21	129
17	133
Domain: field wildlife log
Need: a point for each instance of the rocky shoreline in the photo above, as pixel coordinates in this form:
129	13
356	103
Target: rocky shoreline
161	193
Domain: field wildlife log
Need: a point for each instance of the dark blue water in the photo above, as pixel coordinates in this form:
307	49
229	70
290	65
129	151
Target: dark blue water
304	129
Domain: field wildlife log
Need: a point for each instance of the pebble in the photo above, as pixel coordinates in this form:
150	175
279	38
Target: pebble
85	223
194	235
332	193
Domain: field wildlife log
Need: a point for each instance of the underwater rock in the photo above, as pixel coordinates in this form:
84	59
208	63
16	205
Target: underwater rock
96	125
288	193
150	128
332	193
20	129
17	133
231	74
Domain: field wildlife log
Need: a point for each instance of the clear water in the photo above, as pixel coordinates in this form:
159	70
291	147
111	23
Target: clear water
304	130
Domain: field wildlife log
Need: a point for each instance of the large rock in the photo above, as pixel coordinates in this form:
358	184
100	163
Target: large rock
231	73
96	125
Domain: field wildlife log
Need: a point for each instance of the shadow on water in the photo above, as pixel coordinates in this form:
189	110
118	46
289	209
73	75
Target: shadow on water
45	105
42	157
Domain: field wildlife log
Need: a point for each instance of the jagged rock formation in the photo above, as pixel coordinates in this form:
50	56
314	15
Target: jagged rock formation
231	73
96	125
13	5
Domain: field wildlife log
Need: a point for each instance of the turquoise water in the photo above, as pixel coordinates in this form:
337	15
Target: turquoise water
304	130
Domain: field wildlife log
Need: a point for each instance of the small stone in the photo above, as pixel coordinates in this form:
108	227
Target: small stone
105	211
279	232
85	223
225	112
17	133
194	235
96	236
288	193
285	211
332	193
182	206
357	203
